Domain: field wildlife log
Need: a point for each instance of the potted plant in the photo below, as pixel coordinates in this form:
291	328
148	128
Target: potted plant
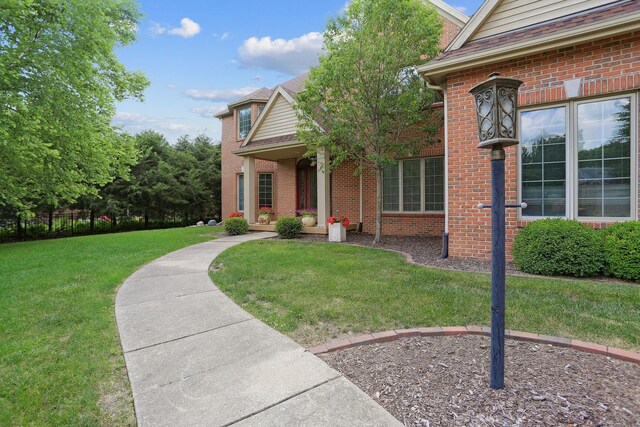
309	217
264	215
338	228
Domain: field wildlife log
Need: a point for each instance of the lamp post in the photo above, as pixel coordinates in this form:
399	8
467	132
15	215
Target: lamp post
496	102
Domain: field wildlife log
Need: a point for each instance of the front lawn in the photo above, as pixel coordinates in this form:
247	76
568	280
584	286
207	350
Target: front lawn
316	291
61	361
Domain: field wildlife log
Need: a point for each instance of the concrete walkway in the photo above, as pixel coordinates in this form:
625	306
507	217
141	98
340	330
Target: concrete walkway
196	358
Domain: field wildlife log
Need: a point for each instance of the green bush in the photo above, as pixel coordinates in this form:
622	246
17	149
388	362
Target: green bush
622	250
236	226
288	227
558	247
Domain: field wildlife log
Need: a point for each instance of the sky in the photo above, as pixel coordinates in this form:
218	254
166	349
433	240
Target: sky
199	55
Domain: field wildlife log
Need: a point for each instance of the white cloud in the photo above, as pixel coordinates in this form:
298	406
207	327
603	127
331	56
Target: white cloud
462	9
257	77
208	111
157	29
224	36
293	56
188	28
137	122
219	95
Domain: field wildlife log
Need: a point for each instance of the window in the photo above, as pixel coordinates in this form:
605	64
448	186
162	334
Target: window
414	185
244	122
434	184
241	193
260	108
265	190
543	162
576	159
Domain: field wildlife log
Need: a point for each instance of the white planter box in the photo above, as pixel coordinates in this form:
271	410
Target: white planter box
337	233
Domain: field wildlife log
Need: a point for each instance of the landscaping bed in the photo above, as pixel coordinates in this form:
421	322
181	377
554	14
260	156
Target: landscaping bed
423	250
444	381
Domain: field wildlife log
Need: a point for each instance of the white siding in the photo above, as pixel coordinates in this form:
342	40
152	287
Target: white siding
280	120
513	14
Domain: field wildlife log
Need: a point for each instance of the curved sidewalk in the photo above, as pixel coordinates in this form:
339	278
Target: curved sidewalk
194	357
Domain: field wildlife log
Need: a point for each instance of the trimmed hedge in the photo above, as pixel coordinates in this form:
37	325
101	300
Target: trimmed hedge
236	226
558	247
288	227
622	250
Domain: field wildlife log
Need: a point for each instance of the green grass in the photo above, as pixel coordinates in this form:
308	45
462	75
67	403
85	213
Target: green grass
60	357
314	292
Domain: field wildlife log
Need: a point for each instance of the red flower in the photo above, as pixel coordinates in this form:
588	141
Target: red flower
236	215
331	220
345	221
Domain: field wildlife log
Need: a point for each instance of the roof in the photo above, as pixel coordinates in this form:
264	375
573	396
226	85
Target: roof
450	13
614	18
293	87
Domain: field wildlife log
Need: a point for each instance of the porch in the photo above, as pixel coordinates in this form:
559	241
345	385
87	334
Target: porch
296	184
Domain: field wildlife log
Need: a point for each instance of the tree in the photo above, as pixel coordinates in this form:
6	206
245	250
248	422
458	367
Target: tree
59	81
365	101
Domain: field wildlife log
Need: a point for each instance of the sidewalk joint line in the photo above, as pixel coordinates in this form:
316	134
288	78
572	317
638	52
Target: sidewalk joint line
281	401
170	297
187	336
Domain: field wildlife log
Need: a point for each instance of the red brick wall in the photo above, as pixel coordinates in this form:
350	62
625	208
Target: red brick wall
345	198
232	166
606	67
449	32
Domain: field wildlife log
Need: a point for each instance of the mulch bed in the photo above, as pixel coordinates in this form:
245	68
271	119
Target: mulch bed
424	250
444	381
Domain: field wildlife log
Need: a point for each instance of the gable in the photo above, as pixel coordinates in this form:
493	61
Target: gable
508	15
280	119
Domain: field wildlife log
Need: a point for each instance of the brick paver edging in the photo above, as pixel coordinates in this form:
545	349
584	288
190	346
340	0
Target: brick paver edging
378	337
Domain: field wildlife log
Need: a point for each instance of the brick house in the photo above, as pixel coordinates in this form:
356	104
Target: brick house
578	125
577	108
263	165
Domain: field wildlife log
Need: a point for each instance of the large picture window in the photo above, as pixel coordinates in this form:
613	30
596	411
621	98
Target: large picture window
244	122
265	190
414	185
576	160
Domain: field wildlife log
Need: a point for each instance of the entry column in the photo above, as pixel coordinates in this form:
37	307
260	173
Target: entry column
324	186
249	171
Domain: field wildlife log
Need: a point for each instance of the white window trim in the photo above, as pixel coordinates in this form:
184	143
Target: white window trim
238	191
422	187
571	150
265	173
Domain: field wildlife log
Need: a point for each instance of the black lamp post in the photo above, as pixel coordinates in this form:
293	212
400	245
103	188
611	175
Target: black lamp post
496	102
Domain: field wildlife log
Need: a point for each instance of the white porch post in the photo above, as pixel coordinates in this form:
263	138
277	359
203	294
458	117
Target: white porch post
324	186
249	171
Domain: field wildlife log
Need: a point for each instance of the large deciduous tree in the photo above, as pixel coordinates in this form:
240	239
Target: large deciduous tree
364	101
59	81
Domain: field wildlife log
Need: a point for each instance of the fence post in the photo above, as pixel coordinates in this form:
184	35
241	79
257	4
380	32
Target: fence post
18	229
72	223
50	220
92	221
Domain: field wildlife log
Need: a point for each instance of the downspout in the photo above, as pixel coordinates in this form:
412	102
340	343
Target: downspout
360	210
445	236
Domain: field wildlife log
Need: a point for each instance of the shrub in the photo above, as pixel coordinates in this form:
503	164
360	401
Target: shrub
622	250
288	227
236	226
558	247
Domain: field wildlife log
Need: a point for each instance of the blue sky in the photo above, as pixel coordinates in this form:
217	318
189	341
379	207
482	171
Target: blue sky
202	54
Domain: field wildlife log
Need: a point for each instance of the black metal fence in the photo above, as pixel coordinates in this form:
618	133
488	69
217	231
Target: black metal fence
52	225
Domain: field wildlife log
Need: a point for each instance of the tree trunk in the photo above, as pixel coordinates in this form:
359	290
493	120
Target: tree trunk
378	236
